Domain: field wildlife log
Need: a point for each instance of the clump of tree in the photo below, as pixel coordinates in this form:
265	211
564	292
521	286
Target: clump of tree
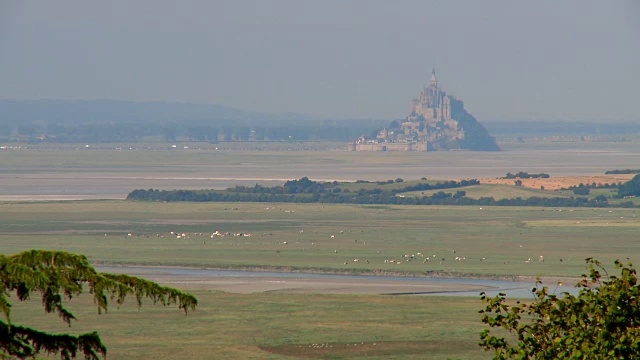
593	185
622	171
525	175
601	322
581	190
630	188
55	276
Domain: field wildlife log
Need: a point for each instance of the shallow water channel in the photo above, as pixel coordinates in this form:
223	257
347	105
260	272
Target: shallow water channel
513	289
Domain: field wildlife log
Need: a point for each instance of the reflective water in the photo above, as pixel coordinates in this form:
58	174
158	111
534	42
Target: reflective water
513	289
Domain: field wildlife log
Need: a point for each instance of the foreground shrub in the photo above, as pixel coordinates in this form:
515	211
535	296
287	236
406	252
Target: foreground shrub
601	322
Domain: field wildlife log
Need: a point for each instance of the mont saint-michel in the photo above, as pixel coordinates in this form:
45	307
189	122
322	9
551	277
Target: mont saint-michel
436	121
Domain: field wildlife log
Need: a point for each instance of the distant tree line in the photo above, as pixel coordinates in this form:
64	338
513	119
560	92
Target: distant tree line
307	186
365	197
113	121
525	175
593	185
623	171
585	189
308	191
561	128
130	132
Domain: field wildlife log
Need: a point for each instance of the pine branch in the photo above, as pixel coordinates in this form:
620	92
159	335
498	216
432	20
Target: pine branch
23	342
159	294
57	275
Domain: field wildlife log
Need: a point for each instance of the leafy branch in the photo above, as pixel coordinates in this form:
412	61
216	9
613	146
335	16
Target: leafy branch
601	322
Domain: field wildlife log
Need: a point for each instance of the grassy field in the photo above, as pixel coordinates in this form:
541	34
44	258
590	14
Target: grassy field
492	241
276	325
495	191
279	326
355	186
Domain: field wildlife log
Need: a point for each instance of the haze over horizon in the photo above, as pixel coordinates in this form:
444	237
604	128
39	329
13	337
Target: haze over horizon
572	60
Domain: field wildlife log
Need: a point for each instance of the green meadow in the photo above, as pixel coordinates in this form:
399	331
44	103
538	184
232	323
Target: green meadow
493	241
279	326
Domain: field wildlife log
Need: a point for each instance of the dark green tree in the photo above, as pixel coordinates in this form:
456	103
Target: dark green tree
582	190
55	276
601	322
630	188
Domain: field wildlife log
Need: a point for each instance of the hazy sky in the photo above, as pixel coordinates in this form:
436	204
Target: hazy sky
547	60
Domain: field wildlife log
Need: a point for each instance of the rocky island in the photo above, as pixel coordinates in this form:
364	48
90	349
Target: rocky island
436	121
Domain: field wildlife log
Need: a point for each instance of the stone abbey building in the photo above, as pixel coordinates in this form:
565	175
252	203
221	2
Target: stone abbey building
436	121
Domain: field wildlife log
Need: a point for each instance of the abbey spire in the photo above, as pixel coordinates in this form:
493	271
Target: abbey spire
434	80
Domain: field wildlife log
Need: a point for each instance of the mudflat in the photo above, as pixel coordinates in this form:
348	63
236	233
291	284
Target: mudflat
253	284
111	173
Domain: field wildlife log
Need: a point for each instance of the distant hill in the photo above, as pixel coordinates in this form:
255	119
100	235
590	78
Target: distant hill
92	111
559	128
114	120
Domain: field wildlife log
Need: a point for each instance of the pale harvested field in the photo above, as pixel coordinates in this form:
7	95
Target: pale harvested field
562	182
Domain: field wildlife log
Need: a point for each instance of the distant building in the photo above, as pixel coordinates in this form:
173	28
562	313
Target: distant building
436	121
